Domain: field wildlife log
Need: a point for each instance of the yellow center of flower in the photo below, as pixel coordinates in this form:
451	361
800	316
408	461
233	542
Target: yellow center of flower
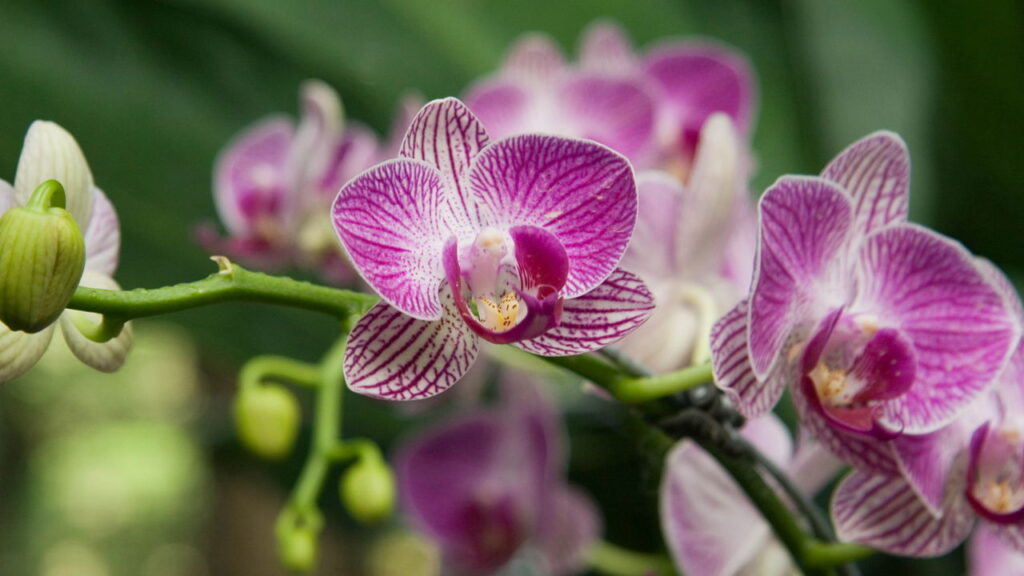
502	315
831	385
999	497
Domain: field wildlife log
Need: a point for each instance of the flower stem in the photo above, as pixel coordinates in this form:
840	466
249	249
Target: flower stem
835	554
231	283
279	368
612	560
628	389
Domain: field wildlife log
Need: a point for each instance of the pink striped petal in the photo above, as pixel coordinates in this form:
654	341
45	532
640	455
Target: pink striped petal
617	112
805	225
580	191
6	197
103	237
597	319
389	220
505	107
929	287
605	46
534	59
395	357
446	135
885	513
651	251
703	513
249	180
989	554
573	526
733	372
875	171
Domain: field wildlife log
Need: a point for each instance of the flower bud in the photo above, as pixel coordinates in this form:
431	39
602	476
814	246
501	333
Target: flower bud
42	257
267	418
368	490
298	550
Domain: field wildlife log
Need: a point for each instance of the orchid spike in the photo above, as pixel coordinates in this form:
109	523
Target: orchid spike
515	241
51	153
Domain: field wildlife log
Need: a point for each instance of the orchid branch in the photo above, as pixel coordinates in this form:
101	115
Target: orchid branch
613	560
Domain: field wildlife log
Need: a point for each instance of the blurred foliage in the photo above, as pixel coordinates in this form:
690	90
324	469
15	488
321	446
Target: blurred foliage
152	90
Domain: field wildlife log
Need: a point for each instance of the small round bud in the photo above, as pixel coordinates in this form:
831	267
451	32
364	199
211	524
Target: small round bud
368	490
267	418
42	257
298	549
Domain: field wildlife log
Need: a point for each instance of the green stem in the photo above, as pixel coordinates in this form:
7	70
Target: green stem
49	194
279	368
632	390
612	560
231	283
833	555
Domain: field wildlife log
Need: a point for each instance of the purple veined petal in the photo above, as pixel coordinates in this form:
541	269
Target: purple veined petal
597	319
580	191
106	356
313	148
617	112
19	351
389	221
534	59
103	237
961	328
697	79
885	513
733	372
875	171
606	47
249	180
356	151
573	526
446	135
988	554
394	357
505	107
805	225
660	204
813	467
51	153
543	304
6	197
702	511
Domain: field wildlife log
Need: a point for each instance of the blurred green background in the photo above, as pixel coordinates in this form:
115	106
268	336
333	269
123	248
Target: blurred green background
152	90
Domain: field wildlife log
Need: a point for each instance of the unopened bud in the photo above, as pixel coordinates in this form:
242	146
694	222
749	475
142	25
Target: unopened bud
368	490
267	418
42	257
298	550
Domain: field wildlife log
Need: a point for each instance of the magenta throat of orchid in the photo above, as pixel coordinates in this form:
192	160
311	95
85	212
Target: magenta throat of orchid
995	474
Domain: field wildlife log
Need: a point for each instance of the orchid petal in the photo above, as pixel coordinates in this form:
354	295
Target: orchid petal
106	356
813	466
353	153
734	374
19	351
988	554
805	225
885	513
394	357
930	288
103	237
51	153
446	135
597	319
702	512
580	191
505	107
875	171
660	205
389	221
249	180
534	59
320	125
605	46
618	113
573	526
6	197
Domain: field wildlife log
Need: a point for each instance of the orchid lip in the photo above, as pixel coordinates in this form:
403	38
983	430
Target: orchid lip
1001	492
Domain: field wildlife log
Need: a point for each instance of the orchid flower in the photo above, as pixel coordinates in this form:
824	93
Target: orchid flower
274	182
490	484
703	510
694	247
988	555
51	153
879	327
514	241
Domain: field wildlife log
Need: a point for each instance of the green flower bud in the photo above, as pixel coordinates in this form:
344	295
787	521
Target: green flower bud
267	418
368	490
42	257
299	549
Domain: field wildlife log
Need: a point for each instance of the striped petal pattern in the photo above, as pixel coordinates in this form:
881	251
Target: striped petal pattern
389	221
959	323
615	112
885	513
597	319
805	225
875	172
580	191
733	372
395	357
